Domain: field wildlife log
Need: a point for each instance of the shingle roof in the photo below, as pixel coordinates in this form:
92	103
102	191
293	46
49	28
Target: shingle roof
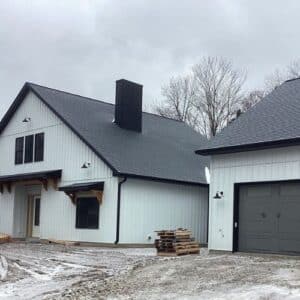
273	122
164	149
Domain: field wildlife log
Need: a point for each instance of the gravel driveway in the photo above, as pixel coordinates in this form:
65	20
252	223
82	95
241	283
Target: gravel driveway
57	272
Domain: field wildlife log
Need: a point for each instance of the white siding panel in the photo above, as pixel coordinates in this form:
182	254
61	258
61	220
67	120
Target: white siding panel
7	212
147	206
58	215
20	211
63	150
227	169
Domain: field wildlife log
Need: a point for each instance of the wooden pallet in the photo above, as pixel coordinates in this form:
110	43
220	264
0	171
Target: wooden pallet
4	238
176	242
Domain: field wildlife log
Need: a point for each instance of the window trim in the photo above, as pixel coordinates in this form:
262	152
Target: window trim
33	152
81	197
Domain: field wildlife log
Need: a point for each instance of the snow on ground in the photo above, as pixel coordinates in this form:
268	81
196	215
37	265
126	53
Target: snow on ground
40	271
37	271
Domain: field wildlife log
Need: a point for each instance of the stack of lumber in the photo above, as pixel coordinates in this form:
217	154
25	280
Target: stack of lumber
176	242
4	238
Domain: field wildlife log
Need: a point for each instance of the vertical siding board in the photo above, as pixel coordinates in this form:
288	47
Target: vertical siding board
63	150
156	210
227	169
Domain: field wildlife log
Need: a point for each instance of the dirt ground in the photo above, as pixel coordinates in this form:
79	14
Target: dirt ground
38	271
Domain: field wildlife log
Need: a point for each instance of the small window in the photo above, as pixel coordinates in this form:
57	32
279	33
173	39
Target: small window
37	207
39	147
87	213
19	150
28	149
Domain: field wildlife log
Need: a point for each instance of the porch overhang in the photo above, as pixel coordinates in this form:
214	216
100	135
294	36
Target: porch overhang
42	177
72	190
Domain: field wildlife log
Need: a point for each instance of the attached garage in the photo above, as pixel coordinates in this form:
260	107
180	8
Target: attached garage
267	217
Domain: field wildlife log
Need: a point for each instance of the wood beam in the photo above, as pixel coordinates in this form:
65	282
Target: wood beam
45	184
98	195
8	185
72	197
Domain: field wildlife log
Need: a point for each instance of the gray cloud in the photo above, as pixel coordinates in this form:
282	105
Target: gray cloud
84	46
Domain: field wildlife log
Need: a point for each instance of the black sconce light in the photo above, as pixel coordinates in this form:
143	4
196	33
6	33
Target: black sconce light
218	195
86	165
26	120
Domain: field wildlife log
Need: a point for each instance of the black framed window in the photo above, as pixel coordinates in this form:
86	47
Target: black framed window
87	213
37	208
28	149
39	147
19	150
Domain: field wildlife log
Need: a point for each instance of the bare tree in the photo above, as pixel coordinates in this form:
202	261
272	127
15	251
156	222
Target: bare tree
251	99
276	78
179	96
207	98
219	93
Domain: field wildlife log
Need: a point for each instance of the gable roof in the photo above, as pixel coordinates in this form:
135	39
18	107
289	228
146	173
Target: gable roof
273	122
164	150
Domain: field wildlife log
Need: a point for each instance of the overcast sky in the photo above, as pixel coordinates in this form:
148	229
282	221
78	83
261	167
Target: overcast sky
84	46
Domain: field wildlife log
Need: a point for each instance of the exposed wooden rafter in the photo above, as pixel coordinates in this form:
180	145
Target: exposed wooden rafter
72	196
98	194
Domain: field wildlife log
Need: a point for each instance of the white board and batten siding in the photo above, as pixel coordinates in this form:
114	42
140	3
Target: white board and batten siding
147	206
62	150
253	166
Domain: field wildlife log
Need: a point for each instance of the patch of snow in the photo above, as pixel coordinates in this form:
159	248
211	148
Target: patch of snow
3	268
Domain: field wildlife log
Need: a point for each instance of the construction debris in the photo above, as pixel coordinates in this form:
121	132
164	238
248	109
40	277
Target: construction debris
62	242
4	238
176	242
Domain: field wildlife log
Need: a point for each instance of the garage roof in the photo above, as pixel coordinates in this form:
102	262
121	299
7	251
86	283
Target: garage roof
273	122
164	150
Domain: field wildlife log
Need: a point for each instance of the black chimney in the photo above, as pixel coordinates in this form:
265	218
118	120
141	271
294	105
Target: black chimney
128	108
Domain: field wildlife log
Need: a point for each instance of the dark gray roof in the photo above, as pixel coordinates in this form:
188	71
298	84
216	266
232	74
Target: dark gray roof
164	149
273	122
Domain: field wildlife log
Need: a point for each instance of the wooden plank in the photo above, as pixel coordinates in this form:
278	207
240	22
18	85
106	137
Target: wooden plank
62	242
4	238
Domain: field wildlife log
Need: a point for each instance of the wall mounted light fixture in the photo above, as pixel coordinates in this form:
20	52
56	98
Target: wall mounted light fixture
26	120
86	165
218	195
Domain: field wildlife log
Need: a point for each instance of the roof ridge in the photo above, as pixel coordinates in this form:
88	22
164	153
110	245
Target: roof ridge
292	79
96	100
69	93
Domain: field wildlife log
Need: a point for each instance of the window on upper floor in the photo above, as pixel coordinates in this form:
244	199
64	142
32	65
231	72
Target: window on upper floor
19	150
29	148
39	147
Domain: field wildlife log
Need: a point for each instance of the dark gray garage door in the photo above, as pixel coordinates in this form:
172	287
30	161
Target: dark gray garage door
269	218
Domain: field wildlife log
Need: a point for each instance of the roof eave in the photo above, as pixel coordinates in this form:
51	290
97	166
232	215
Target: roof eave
250	147
159	179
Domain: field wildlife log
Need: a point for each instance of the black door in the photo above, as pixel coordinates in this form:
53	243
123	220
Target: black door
269	218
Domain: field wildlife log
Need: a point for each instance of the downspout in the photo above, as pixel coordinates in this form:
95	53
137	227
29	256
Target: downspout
119	210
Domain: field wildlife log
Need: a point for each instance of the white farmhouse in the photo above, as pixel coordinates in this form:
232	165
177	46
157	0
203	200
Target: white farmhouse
78	169
255	177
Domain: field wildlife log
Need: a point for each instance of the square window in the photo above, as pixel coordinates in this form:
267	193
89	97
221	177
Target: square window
87	213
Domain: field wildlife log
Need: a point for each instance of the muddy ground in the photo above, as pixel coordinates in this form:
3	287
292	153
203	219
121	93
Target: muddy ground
58	272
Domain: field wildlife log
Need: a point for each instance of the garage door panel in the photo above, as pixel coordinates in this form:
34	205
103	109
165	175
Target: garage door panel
258	227
290	189
289	245
269	217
